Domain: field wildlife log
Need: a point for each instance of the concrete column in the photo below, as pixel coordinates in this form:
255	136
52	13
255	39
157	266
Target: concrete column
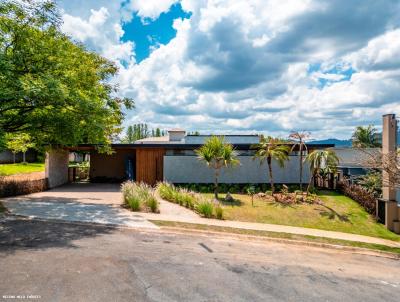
389	145
57	167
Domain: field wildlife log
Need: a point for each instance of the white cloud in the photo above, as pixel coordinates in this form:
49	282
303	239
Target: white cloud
243	66
151	8
101	33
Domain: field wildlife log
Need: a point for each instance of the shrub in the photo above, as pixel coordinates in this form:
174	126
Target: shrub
205	208
186	198
167	191
356	192
139	196
152	204
13	187
219	212
181	196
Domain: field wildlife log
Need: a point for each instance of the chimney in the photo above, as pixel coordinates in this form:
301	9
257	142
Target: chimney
176	135
389	145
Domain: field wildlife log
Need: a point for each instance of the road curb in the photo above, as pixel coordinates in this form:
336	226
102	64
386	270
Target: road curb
188	231
358	250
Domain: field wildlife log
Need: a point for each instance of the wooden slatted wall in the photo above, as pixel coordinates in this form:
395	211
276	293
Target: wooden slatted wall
149	165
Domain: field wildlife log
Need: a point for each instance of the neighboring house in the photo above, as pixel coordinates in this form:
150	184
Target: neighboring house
173	158
354	162
7	157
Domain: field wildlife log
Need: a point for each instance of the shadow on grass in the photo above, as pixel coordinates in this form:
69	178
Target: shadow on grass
332	214
235	202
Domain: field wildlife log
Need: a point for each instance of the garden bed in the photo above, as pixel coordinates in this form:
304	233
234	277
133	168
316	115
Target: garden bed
335	212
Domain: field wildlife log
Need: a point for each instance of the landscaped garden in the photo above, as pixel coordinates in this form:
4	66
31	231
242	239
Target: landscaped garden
334	212
20	168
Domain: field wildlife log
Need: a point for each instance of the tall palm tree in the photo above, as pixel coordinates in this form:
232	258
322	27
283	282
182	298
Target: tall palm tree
216	153
299	138
270	149
321	159
365	137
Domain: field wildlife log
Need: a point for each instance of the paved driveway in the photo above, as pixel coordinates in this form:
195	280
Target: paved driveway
82	202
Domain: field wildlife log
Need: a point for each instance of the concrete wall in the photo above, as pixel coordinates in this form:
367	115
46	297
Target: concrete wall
7	157
57	167
188	169
112	167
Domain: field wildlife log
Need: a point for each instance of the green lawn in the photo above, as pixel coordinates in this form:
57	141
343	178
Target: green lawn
10	169
337	213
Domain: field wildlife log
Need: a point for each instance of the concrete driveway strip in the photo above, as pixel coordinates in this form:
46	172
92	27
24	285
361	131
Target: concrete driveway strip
79	212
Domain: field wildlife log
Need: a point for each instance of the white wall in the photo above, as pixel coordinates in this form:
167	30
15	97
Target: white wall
188	169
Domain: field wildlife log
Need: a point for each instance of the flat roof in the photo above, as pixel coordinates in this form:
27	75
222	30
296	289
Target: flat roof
178	146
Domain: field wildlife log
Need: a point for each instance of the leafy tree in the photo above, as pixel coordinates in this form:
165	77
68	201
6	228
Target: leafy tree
20	142
299	139
270	149
139	131
372	182
216	153
365	137
50	87
321	159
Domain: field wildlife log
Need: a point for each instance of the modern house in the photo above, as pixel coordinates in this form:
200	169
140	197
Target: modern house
172	158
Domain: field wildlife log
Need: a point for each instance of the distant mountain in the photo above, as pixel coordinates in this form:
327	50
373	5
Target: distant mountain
347	142
336	142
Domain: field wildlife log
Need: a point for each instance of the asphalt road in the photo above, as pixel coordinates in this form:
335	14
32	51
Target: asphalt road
64	262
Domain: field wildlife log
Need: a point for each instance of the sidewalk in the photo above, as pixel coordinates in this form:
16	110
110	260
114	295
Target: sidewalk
181	214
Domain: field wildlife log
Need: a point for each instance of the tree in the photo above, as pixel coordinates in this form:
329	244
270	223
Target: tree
216	153
20	142
52	88
365	137
299	138
321	159
272	149
139	131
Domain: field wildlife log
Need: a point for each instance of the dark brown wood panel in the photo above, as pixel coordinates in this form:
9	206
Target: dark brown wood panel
149	165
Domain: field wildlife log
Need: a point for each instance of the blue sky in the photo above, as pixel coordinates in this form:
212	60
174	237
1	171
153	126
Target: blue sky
147	33
248	66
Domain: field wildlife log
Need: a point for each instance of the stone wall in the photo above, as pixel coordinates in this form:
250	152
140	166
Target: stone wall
188	169
57	167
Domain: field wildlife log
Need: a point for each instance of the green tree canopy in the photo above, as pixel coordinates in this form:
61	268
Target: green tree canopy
19	142
50	87
365	137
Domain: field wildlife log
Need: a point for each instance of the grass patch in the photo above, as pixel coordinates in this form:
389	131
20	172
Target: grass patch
337	213
288	236
11	169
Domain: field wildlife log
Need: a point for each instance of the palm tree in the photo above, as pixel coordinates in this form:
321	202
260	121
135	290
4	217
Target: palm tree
321	159
365	137
216	153
299	138
272	149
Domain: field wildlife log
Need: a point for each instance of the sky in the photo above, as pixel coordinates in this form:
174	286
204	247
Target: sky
248	66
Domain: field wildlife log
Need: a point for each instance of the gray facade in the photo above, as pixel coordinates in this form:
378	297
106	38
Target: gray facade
188	169
7	157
